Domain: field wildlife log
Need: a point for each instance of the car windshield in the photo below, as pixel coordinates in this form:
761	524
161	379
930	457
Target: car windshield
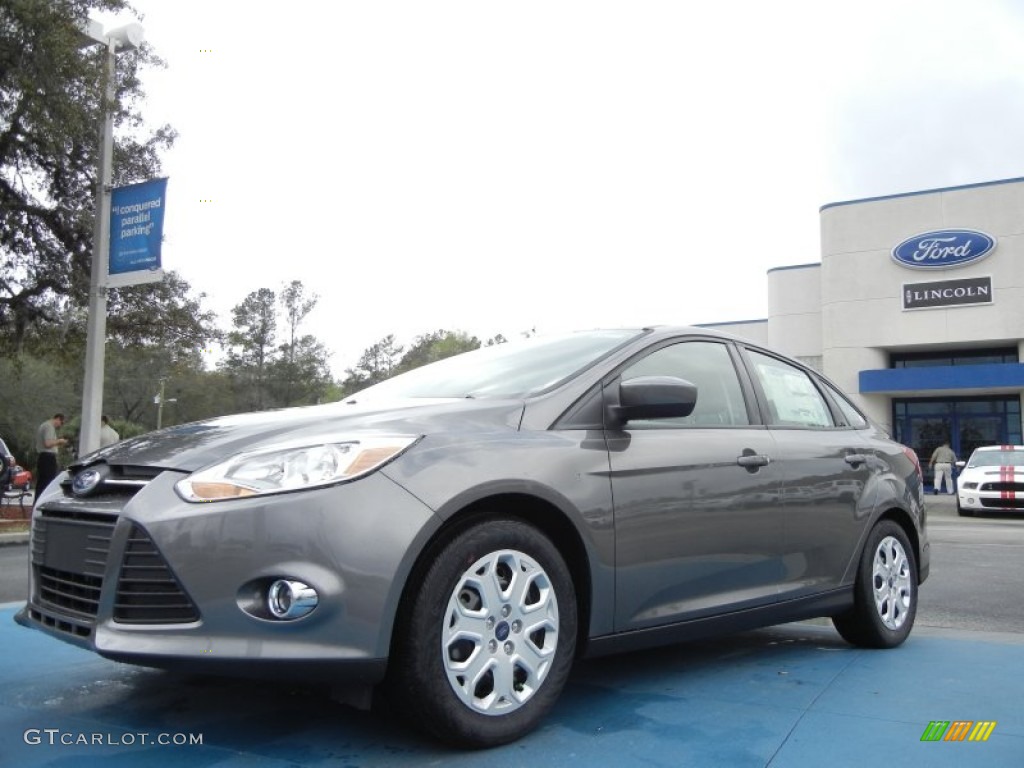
512	369
997	459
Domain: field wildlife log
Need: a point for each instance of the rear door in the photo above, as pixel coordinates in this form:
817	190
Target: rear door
826	466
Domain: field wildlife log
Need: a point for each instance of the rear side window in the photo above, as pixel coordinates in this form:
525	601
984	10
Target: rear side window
707	365
850	414
793	400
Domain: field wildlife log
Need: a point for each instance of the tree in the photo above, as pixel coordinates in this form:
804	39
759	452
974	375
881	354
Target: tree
33	390
251	345
162	316
51	105
300	375
431	347
296	306
196	394
132	378
378	362
303	362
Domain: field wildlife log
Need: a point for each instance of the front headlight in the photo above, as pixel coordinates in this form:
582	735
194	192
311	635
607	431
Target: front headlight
291	468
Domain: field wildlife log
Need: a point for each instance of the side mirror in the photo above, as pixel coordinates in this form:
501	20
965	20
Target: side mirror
654	397
961	464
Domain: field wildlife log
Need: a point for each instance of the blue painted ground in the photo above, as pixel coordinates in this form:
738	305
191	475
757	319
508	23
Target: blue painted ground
791	696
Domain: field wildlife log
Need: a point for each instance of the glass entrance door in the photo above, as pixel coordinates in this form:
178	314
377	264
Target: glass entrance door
967	422
975	431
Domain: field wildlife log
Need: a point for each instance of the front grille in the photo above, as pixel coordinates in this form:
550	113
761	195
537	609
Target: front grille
999	487
147	591
120	482
69	555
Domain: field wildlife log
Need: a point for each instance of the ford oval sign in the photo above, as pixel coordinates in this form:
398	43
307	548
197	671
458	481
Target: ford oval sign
943	249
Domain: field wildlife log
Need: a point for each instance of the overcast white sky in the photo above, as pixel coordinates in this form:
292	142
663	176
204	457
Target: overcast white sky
494	167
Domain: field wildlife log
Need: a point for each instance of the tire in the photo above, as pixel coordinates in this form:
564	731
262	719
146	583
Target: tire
963	512
488	636
885	591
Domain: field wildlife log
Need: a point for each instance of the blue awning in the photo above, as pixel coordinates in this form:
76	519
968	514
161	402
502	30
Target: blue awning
989	377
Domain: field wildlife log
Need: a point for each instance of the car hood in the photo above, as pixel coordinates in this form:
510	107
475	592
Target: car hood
189	447
991	472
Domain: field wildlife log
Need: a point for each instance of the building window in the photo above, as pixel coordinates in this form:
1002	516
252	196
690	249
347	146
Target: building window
953	357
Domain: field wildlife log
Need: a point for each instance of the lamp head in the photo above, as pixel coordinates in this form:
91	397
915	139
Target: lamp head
127	38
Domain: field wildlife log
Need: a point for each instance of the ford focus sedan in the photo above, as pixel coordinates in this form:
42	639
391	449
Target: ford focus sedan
992	480
454	537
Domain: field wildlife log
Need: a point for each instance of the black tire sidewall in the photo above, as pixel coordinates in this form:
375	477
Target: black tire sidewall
419	665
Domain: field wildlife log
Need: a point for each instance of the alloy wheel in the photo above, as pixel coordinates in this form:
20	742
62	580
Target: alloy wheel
891	582
500	632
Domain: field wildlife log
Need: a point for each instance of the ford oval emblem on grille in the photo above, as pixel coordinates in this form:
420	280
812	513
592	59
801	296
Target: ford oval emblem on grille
943	249
86	482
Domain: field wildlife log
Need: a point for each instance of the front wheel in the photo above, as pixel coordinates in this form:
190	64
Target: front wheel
489	636
885	591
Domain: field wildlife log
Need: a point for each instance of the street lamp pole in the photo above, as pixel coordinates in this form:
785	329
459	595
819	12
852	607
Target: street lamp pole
123	39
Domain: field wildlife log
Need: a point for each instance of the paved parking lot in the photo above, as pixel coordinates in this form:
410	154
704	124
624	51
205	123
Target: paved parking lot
790	696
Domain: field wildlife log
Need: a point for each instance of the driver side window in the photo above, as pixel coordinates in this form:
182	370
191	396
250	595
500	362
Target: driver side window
708	366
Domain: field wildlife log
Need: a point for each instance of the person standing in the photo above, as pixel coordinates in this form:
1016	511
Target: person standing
942	462
47	444
108	435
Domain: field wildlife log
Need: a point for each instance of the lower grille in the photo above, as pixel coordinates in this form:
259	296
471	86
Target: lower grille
147	591
69	554
70	592
1017	503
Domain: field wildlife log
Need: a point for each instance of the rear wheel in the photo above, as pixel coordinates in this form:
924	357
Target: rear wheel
489	638
885	591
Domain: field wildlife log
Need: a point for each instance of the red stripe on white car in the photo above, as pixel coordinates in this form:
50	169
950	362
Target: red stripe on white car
1006	478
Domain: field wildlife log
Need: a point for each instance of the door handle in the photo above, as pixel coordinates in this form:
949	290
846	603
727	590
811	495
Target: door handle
853	459
752	461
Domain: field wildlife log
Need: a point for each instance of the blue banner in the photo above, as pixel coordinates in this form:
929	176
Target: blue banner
136	232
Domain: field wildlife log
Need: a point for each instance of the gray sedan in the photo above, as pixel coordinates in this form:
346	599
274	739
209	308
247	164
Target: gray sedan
455	536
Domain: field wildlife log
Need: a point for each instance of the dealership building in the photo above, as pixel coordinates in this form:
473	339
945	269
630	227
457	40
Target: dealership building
916	309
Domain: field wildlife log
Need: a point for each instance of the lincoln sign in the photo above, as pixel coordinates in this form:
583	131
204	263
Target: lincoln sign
947	293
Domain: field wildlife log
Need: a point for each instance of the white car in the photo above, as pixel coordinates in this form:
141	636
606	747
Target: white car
992	479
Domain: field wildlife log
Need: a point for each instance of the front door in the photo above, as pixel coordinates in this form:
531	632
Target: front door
698	509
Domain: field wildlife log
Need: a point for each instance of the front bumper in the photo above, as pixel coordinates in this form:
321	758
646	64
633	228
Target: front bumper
990	501
150	579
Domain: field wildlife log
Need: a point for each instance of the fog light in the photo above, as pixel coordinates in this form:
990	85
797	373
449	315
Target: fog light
290	599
